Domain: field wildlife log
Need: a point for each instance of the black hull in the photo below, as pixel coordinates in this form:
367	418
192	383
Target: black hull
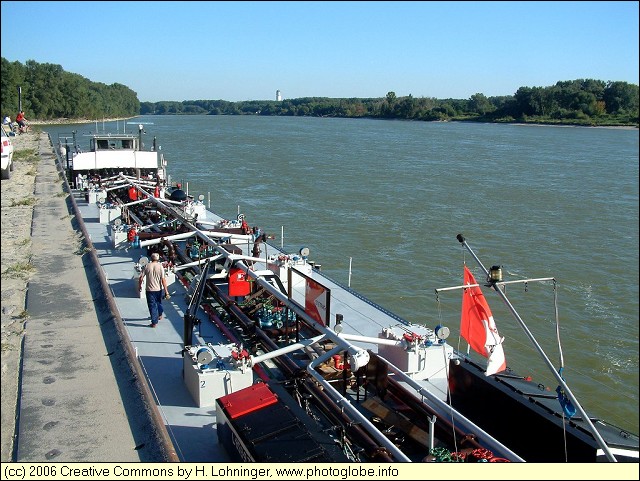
528	418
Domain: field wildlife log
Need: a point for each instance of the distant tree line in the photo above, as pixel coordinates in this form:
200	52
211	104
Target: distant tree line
48	92
580	102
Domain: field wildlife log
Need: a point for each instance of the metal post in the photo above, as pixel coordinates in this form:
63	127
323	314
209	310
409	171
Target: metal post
432	427
19	99
551	367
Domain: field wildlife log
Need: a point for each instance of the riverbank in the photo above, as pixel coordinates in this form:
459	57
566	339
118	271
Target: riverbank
615	127
67	390
63	121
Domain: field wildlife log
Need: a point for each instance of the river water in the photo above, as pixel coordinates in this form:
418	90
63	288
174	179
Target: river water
379	204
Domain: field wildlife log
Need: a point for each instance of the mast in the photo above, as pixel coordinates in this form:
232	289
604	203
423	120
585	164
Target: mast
574	400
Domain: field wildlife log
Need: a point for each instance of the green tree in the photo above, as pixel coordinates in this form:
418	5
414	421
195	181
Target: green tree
621	97
480	103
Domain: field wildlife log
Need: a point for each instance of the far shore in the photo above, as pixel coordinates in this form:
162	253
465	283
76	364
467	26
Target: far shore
619	127
64	121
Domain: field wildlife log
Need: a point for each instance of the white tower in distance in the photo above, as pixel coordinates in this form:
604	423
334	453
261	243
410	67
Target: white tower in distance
278	96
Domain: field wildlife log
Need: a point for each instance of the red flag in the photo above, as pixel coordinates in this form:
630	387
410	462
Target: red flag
478	328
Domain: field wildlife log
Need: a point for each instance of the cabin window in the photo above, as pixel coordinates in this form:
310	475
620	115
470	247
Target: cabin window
127	144
103	144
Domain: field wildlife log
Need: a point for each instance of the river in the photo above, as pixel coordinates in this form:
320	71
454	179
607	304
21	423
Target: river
379	204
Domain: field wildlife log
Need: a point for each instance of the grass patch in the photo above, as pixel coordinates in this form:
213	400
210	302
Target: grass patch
82	250
25	201
25	242
21	270
27	155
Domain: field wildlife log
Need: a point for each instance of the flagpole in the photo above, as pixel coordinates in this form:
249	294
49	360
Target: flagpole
574	400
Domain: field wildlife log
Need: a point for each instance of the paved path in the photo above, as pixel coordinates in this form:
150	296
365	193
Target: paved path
78	398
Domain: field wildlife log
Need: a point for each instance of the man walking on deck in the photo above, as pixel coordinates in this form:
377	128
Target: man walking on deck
156	282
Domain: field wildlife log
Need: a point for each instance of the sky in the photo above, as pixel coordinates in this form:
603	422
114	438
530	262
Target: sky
243	50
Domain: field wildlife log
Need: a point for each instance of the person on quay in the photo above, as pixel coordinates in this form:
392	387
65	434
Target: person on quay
156	283
22	121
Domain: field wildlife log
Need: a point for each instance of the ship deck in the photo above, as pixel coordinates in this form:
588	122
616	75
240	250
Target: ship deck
159	351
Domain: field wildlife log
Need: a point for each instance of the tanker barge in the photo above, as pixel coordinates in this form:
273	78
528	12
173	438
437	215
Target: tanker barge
261	357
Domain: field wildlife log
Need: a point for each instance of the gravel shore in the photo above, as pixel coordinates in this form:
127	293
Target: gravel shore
62	359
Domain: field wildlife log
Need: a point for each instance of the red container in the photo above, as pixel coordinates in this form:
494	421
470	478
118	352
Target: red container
238	283
247	400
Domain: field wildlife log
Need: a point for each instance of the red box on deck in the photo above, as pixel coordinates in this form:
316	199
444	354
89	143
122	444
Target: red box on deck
247	400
